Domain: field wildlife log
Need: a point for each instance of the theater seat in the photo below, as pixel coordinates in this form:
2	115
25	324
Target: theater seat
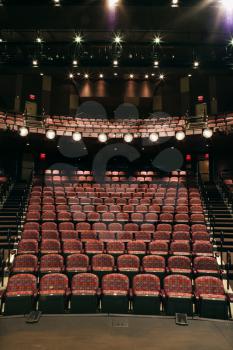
84	297
146	294
115	293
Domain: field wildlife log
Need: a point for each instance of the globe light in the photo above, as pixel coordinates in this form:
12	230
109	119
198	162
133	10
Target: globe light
102	137
128	138
77	136
50	134
180	135
23	131
207	133
154	137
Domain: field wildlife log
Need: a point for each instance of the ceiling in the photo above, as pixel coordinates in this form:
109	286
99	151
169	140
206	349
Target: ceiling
196	30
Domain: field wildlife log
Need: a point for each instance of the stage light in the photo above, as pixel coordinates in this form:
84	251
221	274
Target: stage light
128	138
113	3
227	5
146	76
35	63
161	76
207	133
1	40
154	137
231	42
156	64
23	131
39	40
115	74
50	134
196	64
102	137
131	76
71	76
153	74
75	63
117	39
86	76
157	40
174	3
101	76
180	135
189	75
77	136
115	63
41	74
78	39
56	2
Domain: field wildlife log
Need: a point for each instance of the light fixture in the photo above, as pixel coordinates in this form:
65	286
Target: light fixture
102	137
156	64
231	42
115	74
112	3
41	74
227	5
174	3
161	76
157	40
196	64
180	135
128	138
154	137
131	76
207	133
77	136
75	63
115	63
86	76
117	39
146	76
56	2
189	75
23	131
1	40
50	134
101	76
78	39
152	74
35	63
39	40
71	76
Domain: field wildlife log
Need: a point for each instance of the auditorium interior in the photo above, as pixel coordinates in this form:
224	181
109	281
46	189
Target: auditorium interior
116	174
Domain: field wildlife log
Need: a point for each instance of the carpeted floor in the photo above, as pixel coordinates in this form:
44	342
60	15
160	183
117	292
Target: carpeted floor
99	333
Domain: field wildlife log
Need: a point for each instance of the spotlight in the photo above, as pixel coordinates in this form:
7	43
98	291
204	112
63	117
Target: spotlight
174	3
115	63
71	76
101	76
146	76
180	135
75	63
227	5
86	76
77	136
128	138
154	137
156	64
161	76
35	63
231	42
115	74
56	2
78	39
189	75
207	133
131	76
50	134
102	137
196	64
1	40
23	131
41	74
39	40
117	39
157	40
112	3
152	74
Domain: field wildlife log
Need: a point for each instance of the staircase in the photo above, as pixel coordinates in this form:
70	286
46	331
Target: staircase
221	218
10	215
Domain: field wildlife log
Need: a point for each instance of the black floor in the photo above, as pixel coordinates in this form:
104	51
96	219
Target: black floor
130	333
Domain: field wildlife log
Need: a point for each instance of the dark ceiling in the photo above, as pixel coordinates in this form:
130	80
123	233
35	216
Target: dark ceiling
195	30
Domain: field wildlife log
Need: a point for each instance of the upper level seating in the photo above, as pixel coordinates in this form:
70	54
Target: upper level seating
109	236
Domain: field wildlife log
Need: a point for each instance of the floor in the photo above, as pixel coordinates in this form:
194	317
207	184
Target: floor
114	333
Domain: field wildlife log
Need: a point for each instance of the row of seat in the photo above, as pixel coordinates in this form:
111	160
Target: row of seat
69	246
115	296
111	172
103	263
